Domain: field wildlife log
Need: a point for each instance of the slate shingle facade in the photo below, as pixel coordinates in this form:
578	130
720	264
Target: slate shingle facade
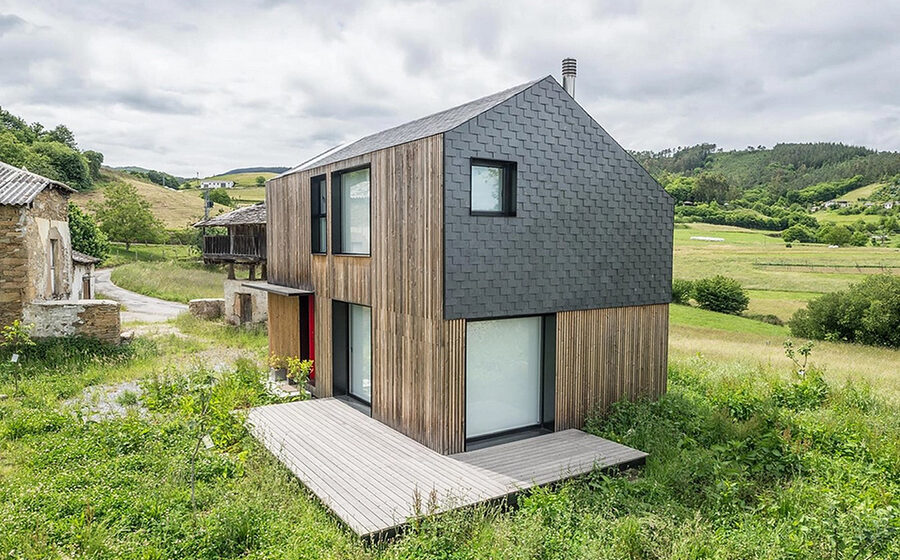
592	228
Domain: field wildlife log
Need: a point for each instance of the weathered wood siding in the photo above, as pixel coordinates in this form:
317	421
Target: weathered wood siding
604	355
284	325
418	358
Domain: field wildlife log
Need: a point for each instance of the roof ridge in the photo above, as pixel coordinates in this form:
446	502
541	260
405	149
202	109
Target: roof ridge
416	129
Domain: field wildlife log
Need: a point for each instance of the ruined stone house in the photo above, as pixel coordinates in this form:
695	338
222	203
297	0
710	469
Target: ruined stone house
42	279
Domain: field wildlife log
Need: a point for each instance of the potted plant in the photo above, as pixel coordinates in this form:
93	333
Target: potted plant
278	367
298	370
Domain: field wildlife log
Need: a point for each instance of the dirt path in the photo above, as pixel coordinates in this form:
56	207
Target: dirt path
138	307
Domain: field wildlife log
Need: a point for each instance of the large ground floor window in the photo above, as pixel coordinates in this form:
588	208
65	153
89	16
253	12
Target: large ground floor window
352	351
509	375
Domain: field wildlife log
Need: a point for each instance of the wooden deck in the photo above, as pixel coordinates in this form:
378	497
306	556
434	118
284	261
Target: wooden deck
371	476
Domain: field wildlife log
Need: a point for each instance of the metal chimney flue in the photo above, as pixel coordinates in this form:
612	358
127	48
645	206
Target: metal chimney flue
568	74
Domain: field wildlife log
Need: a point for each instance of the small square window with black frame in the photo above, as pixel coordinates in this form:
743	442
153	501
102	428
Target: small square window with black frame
493	188
318	217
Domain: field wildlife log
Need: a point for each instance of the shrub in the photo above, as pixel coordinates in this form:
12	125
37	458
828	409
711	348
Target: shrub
765	318
799	233
722	294
868	313
682	290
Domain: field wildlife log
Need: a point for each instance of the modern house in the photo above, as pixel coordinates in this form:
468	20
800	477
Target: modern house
239	238
494	271
42	279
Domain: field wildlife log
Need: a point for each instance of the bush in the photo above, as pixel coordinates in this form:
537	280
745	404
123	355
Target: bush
722	294
799	233
682	290
868	313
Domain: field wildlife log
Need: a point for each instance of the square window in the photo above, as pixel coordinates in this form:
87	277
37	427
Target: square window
493	188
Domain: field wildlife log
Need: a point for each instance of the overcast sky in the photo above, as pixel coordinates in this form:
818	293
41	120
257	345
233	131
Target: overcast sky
189	87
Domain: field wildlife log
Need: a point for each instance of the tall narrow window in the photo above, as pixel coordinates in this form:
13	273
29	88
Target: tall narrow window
351	231
318	219
54	265
493	188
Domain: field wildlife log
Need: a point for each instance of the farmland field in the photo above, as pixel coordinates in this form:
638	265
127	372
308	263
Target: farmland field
780	279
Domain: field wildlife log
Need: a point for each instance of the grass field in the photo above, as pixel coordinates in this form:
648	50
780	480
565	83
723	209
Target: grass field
861	192
145	252
176	209
173	281
830	216
746	461
780	279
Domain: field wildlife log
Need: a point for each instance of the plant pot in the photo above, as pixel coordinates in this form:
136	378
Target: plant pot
278	374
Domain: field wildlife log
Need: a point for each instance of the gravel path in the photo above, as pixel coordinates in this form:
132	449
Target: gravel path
138	307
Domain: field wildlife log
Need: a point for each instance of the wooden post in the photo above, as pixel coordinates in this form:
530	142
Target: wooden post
263	275
252	272
231	271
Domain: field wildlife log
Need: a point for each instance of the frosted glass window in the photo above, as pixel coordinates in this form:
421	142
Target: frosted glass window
503	375
361	352
355	212
487	188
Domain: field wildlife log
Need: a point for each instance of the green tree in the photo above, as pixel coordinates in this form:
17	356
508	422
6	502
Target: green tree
835	234
63	135
95	160
70	165
87	237
681	188
260	181
722	294
867	313
799	233
219	196
125	216
12	151
714	187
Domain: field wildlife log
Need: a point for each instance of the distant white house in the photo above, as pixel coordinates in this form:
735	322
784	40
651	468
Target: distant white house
217	184
890	204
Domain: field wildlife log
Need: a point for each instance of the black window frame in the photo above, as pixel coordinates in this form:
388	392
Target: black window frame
318	211
337	241
548	386
508	186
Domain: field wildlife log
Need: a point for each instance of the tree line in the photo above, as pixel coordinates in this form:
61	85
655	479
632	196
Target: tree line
53	153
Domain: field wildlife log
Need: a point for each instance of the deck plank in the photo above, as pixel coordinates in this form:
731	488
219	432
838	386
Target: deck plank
369	474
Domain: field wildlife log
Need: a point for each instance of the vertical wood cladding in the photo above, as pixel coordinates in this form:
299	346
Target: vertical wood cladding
605	355
418	359
284	325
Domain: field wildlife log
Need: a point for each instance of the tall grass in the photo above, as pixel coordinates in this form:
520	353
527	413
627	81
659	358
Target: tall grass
170	280
746	461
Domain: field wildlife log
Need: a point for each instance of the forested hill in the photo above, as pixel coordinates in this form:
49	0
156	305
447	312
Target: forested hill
772	172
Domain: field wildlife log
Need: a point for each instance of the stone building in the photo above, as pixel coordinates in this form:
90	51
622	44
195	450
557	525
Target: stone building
38	266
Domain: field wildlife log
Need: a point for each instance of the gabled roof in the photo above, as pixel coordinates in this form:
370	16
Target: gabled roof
248	215
19	187
437	123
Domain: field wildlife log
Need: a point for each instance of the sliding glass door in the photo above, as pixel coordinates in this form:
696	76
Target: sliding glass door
360	319
503	375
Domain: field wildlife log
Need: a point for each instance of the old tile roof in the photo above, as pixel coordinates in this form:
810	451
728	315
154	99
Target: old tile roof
19	187
247	215
83	259
420	128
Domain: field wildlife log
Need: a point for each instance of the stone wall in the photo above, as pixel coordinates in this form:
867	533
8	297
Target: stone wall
95	318
206	308
258	300
13	263
47	219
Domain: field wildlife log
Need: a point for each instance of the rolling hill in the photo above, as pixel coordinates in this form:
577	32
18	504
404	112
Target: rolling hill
176	209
